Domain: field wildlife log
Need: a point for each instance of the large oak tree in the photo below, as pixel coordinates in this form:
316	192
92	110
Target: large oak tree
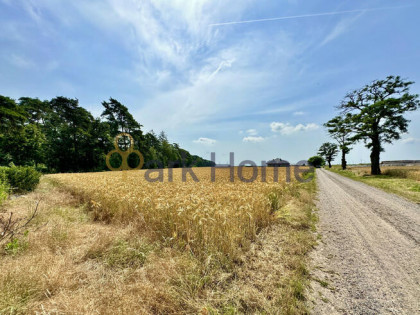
376	114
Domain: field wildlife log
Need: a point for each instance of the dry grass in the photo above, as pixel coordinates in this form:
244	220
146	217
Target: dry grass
400	180
123	245
410	172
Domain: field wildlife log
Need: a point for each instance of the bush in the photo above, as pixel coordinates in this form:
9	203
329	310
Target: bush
4	186
316	161
22	178
3	174
4	191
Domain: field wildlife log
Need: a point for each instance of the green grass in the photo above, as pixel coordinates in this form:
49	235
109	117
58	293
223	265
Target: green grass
393	181
4	188
122	254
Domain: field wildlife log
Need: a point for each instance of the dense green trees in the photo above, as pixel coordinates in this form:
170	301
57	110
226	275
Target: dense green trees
65	137
316	161
374	115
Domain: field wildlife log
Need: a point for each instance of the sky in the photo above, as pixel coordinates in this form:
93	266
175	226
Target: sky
257	78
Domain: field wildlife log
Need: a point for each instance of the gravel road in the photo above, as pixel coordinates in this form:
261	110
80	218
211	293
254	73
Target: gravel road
368	257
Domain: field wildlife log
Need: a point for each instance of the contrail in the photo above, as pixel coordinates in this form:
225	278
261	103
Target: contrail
304	16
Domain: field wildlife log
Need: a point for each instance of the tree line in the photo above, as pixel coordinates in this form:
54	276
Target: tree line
372	114
59	135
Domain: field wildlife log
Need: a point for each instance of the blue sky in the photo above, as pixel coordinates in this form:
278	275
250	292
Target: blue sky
261	89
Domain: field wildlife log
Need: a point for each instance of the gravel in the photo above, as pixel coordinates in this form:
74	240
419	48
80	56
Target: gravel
368	257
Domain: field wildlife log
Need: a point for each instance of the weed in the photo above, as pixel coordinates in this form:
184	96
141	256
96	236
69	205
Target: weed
16	246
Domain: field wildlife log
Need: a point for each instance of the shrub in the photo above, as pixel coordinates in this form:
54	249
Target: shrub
4	191
22	178
316	161
4	186
3	174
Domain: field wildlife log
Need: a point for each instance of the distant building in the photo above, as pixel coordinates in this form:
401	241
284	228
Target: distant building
278	162
302	163
401	163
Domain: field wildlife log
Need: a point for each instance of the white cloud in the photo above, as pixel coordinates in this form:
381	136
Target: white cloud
205	141
252	132
288	129
253	139
410	140
299	113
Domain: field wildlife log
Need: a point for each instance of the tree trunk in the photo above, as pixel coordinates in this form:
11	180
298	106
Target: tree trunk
329	163
375	157
343	159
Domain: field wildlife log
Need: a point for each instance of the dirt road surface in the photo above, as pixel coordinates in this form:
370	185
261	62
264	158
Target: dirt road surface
368	257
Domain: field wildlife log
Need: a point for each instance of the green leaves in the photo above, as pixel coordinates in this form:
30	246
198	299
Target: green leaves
374	114
376	109
316	161
65	137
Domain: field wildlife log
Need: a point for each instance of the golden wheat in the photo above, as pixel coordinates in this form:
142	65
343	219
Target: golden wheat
169	248
206	217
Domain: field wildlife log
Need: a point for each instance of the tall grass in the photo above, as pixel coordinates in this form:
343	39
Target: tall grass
400	180
412	173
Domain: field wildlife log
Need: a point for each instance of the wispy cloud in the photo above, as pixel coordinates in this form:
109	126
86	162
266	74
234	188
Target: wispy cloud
288	129
253	139
32	10
252	132
205	141
340	28
299	113
21	62
410	140
303	16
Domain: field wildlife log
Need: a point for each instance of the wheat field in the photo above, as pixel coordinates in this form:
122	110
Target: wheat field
209	218
113	242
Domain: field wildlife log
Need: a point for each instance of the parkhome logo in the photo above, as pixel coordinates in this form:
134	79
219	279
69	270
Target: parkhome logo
301	174
124	154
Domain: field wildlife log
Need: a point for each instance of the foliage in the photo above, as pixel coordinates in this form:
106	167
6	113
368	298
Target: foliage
340	130
22	178
329	151
15	246
316	161
65	137
376	114
4	185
